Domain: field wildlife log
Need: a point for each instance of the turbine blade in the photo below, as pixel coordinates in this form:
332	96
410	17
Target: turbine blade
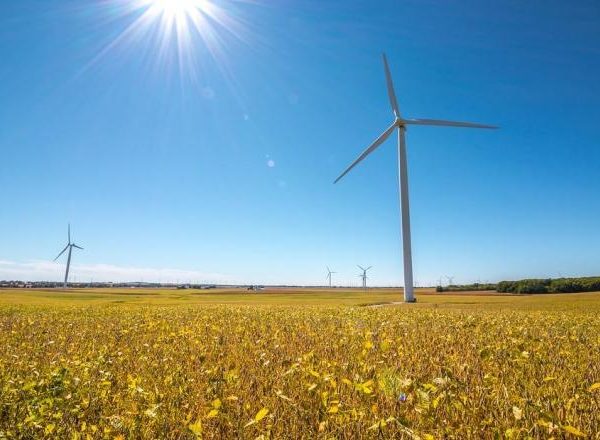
78	247
369	150
390	88
62	252
442	123
360	267
368	267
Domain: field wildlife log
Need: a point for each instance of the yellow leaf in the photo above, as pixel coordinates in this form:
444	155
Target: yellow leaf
314	373
213	413
517	412
594	387
430	387
196	428
261	414
28	386
49	429
572	430
549	378
365	387
258	417
216	403
379	425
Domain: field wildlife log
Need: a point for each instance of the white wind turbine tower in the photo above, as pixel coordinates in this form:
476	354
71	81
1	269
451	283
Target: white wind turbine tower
363	275
400	124
329	273
69	246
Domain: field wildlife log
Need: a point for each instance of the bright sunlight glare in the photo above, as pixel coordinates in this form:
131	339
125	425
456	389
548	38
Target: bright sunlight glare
176	29
179	8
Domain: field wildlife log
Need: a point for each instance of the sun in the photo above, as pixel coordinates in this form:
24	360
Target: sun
178	8
181	13
179	35
184	20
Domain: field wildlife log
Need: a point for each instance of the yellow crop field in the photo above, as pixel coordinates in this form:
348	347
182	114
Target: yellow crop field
175	367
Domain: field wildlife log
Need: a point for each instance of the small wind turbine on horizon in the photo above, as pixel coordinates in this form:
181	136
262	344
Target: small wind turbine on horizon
69	246
329	273
400	124
363	275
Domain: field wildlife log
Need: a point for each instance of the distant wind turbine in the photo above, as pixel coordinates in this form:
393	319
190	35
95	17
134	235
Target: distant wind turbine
400	124
69	246
363	275
329	273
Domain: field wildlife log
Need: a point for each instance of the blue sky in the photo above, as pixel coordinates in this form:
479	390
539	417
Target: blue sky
218	167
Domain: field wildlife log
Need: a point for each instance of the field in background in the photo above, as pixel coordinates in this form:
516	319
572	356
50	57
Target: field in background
427	297
297	363
280	296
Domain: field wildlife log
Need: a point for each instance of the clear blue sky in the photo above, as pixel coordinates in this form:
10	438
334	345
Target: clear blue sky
218	166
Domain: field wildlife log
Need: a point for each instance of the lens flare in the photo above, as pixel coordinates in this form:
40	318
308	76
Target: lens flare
176	32
178	8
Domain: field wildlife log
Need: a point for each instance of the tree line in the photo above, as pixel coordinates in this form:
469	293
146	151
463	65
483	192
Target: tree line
533	285
549	285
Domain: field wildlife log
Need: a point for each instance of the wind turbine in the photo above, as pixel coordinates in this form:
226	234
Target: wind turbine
400	124
329	272
363	275
69	246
